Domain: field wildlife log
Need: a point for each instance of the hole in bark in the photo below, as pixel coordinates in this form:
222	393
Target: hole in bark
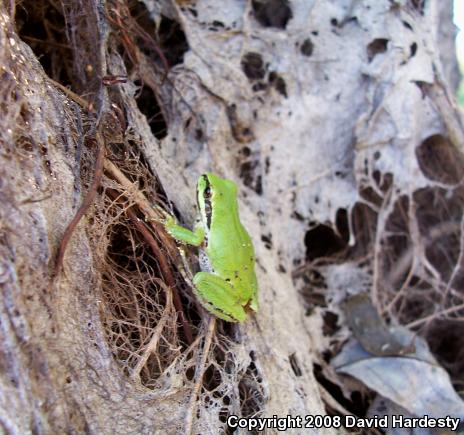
240	127
419	5
259	185
439	213
272	13
358	407
212	378
147	103
384	181
142	17
307	47
294	365
251	393
172	40
439	160
423	86
216	25
375	47
278	82
248	171
246	151
42	27
267	239
330	326
322	241
297	216
407	25
267	165
260	86
253	66
446	341
364	221
190	373
341	222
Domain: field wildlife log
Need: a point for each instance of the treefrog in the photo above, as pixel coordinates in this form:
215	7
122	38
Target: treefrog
227	283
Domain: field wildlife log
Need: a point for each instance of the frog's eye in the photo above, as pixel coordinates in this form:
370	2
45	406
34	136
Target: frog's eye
207	192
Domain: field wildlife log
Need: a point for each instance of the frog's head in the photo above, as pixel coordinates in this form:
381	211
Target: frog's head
212	191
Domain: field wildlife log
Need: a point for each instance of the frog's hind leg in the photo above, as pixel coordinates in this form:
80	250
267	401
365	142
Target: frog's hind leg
218	297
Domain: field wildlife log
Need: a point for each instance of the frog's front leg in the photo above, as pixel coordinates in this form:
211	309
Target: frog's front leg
181	234
218	297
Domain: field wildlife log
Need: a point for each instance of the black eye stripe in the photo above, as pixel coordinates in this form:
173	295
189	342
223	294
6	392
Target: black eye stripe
207	198
208	212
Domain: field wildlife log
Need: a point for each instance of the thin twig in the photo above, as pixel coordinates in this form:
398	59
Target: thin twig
88	200
153	343
435	315
387	204
76	98
200	371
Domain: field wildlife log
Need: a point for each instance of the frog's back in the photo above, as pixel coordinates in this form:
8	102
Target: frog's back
232	256
229	248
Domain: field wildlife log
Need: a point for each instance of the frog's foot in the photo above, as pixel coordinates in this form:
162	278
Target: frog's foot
181	234
218	297
163	215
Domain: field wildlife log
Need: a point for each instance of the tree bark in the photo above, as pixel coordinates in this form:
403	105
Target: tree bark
306	105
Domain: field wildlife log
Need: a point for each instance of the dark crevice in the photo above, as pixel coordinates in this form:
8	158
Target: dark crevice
162	41
330	326
439	160
258	87
307	47
439	213
446	341
407	25
278	83
42	27
253	66
294	365
267	239
322	241
423	86
375	47
251	393
364	222
172	41
248	173
147	103
272	13
356	407
418	5
241	130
